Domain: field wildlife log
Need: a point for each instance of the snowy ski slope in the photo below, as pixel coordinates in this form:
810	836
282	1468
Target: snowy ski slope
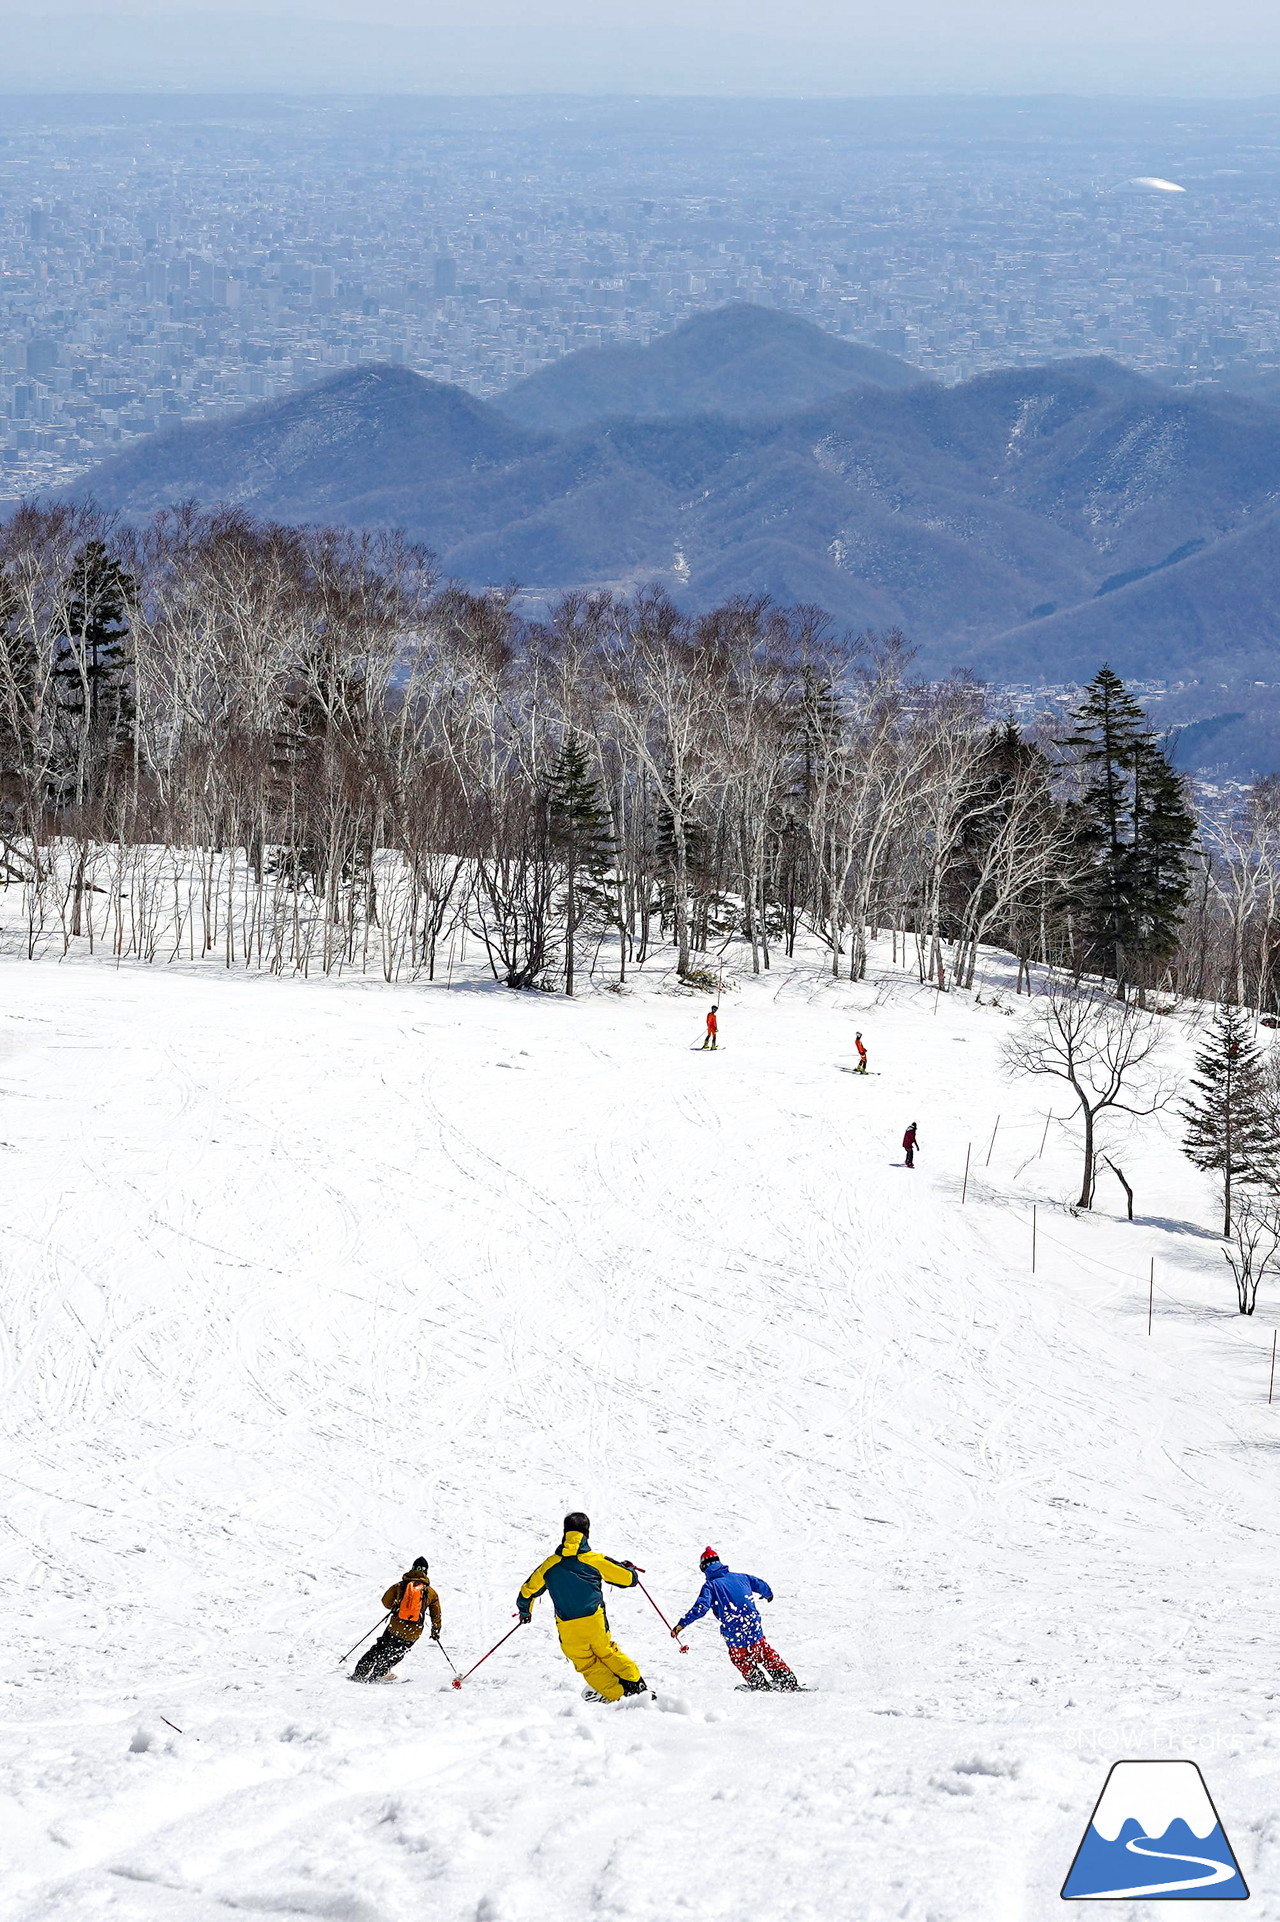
302	1279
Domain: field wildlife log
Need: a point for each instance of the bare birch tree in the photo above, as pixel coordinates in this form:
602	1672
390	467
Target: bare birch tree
1098	1048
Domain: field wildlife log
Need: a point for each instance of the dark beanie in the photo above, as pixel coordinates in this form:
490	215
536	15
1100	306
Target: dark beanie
577	1521
420	1561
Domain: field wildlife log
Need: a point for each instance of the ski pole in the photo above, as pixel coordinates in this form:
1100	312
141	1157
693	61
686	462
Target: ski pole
444	1651
364	1638
458	1680
683	1646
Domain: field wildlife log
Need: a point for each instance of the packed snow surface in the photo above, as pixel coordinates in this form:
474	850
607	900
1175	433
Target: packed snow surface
301	1279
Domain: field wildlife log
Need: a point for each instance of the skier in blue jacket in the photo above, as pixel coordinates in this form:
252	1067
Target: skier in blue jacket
731	1599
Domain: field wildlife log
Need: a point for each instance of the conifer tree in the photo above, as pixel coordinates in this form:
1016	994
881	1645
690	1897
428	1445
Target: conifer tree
91	675
581	840
1133	833
1230	1121
1164	832
819	723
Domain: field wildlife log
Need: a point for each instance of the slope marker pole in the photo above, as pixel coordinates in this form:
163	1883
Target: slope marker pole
1033	1237
1271	1390
1151	1294
994	1132
1045	1136
965	1189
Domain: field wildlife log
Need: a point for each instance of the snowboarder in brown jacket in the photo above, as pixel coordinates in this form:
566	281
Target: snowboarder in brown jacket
410	1602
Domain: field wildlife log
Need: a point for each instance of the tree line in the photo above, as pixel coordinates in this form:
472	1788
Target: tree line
298	749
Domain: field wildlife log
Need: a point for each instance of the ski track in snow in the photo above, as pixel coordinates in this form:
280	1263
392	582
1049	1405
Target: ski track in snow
301	1279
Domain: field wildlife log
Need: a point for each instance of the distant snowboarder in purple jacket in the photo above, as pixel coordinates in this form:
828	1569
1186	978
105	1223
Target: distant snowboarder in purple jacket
731	1600
911	1143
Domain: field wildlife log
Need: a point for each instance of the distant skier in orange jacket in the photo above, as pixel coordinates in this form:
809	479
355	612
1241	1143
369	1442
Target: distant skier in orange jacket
713	1030
862	1054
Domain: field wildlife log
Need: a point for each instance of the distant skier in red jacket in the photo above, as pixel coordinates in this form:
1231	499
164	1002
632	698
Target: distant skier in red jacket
862	1054
713	1029
910	1143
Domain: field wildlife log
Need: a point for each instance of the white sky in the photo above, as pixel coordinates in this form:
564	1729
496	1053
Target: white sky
750	45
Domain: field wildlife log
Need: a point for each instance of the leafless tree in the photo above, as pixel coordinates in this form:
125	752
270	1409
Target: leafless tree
1255	1243
1097	1047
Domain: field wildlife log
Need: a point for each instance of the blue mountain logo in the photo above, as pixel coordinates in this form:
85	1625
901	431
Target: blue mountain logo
1155	1832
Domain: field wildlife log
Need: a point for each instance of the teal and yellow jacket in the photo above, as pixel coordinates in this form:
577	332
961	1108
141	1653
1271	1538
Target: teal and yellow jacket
572	1578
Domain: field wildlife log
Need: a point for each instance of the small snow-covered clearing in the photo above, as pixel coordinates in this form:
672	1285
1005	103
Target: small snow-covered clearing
302	1279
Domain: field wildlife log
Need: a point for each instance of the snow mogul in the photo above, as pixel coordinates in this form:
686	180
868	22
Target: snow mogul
410	1603
731	1600
573	1578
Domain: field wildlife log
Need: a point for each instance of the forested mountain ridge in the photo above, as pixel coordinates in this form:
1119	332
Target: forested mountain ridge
741	361
1076	493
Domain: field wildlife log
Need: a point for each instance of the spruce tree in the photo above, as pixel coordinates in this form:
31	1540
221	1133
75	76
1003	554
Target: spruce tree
1230	1121
1133	833
1164	831
19	715
91	676
581	840
819	725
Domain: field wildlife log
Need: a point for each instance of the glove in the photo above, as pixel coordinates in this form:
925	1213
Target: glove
626	1564
525	1620
675	1634
435	1634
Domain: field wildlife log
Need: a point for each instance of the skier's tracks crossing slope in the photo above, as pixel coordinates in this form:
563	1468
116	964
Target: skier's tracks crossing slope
345	1290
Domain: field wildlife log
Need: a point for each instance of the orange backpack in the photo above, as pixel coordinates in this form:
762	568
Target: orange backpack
410	1609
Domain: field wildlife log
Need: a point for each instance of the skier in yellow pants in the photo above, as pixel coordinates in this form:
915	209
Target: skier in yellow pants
573	1577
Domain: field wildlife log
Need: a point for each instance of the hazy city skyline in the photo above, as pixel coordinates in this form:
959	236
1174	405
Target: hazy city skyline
496	46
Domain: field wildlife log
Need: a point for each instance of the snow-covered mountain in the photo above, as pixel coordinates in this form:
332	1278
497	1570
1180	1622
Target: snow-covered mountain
1029	523
302	1279
1154	1794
